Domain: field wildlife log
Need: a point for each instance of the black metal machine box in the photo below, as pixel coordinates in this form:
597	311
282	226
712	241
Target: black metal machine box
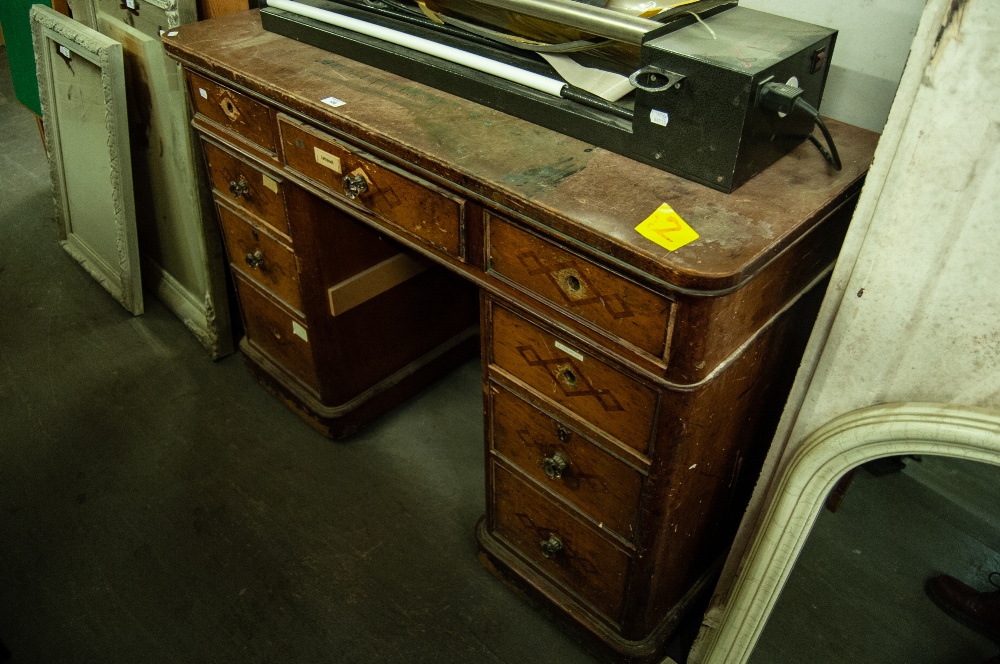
695	109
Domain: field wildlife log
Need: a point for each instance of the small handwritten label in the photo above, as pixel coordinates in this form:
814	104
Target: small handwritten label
130	4
65	52
300	331
333	101
331	161
269	182
666	228
659	117
203	92
569	351
172	33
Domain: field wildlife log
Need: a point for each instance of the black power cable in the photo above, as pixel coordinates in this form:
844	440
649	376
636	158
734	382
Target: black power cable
784	99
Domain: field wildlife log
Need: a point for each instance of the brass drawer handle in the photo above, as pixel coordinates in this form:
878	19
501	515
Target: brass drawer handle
255	260
552	546
555	465
239	187
354	185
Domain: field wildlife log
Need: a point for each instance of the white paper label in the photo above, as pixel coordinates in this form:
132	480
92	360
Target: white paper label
270	183
300	331
63	51
659	117
203	92
172	33
130	4
569	351
333	101
331	161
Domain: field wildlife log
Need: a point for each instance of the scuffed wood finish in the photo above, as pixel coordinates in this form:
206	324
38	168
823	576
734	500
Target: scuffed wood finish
657	376
241	118
580	288
402	199
276	331
250	188
593	479
566	373
261	258
566	185
584	559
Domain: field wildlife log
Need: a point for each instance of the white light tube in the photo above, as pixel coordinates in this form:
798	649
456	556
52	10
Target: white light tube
508	72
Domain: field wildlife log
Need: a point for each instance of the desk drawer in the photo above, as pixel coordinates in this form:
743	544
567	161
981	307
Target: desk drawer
416	206
560	458
277	332
261	258
247	188
558	369
568	550
235	112
581	288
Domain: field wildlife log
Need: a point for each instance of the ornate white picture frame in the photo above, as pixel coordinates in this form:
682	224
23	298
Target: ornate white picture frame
82	89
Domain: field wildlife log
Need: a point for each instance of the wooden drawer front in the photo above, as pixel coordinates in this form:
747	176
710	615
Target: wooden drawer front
236	112
247	187
277	332
261	258
418	207
610	302
566	462
606	398
577	556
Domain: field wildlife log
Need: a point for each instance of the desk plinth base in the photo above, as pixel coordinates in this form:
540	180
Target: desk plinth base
593	634
340	421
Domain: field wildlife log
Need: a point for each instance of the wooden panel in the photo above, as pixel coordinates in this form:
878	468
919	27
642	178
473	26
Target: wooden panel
592	479
277	332
374	281
587	563
248	188
212	8
579	287
559	370
417	206
261	258
178	237
238	114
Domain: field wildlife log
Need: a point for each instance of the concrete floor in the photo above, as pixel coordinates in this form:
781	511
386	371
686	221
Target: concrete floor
158	506
155	505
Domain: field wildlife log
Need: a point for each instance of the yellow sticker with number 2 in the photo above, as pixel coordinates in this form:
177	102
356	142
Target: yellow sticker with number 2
666	228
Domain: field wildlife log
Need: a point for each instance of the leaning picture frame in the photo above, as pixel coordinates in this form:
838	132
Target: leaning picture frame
81	85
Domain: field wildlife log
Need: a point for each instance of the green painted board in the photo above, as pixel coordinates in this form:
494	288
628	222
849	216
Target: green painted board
17	35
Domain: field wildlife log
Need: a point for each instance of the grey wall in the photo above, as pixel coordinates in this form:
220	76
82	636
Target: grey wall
872	46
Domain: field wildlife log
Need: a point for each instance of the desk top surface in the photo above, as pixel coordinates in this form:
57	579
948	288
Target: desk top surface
587	194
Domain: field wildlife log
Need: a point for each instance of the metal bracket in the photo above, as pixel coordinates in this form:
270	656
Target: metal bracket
654	79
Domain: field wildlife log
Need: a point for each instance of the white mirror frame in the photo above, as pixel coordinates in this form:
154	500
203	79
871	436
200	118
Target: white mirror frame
118	274
841	445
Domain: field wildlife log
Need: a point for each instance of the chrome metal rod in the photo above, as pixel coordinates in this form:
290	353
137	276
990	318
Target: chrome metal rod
595	20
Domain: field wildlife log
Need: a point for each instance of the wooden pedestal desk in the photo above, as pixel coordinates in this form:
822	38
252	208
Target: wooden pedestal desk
629	391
